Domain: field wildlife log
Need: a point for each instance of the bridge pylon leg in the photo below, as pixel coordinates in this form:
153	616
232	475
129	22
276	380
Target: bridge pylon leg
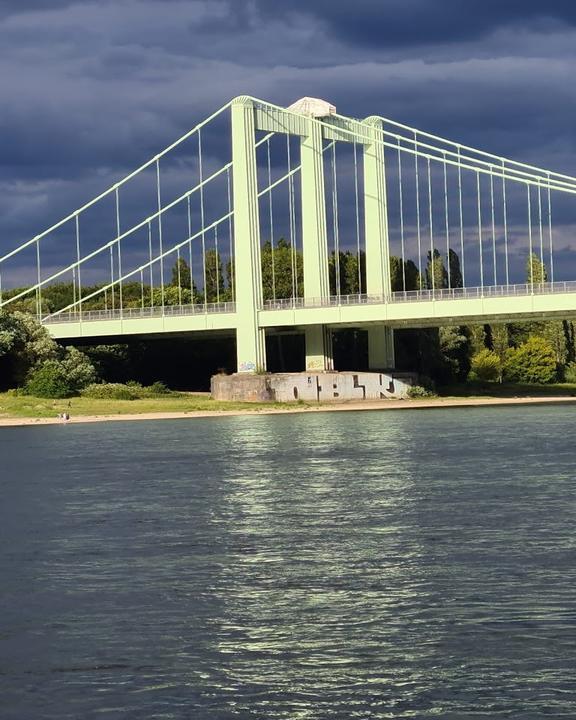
380	338
319	356
250	339
381	354
315	245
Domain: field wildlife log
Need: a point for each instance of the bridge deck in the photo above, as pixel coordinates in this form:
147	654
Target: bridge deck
411	309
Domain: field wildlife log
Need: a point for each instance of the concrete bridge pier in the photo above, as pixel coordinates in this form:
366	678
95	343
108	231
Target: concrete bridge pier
319	355
381	354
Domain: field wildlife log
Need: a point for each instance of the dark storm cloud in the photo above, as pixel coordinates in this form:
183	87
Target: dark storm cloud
401	22
92	89
15	7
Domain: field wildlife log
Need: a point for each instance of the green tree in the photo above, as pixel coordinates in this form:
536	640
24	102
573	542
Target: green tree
181	274
532	362
215	290
277	270
486	365
500	342
535	270
403	278
26	346
455	279
62	377
435	275
455	350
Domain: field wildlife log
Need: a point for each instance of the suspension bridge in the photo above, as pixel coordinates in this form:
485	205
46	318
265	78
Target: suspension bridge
244	225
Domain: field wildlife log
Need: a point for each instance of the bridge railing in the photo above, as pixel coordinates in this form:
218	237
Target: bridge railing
141	313
488	291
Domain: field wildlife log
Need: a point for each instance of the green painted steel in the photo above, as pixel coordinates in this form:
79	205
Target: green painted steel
316	314
315	242
380	339
251	346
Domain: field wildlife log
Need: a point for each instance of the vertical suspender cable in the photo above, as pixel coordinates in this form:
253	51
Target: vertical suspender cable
189	213
160	240
493	223
217	263
541	233
119	251
291	220
432	273
401	200
150	263
531	262
38	280
201	178
295	240
357	199
550	232
78	261
230	235
271	220
480	233
142	288
112	287
461	220
418	230
335	222
505	223
179	276
446	220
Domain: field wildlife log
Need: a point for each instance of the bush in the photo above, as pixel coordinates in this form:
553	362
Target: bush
532	362
485	365
110	391
50	380
158	388
570	373
417	391
132	390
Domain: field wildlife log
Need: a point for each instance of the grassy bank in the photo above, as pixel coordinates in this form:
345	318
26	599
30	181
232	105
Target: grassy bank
507	390
25	406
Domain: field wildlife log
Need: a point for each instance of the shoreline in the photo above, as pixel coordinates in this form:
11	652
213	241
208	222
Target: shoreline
350	406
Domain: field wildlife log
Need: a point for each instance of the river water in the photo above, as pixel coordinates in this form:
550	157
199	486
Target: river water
401	564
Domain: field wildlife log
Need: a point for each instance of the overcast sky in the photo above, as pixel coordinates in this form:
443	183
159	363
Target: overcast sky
91	89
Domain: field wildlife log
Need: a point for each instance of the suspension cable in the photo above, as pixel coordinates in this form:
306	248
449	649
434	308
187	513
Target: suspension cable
431	228
447	223
541	235
291	219
201	178
550	236
151	268
530	239
418	229
271	221
231	239
462	267
357	201
480	233
493	227
401	200
119	253
505	229
335	223
77	261
159	195
189	217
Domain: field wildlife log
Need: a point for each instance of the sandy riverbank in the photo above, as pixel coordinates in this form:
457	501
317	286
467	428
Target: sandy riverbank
427	403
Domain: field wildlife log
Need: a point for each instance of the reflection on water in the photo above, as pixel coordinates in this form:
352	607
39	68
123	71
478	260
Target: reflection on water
391	565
